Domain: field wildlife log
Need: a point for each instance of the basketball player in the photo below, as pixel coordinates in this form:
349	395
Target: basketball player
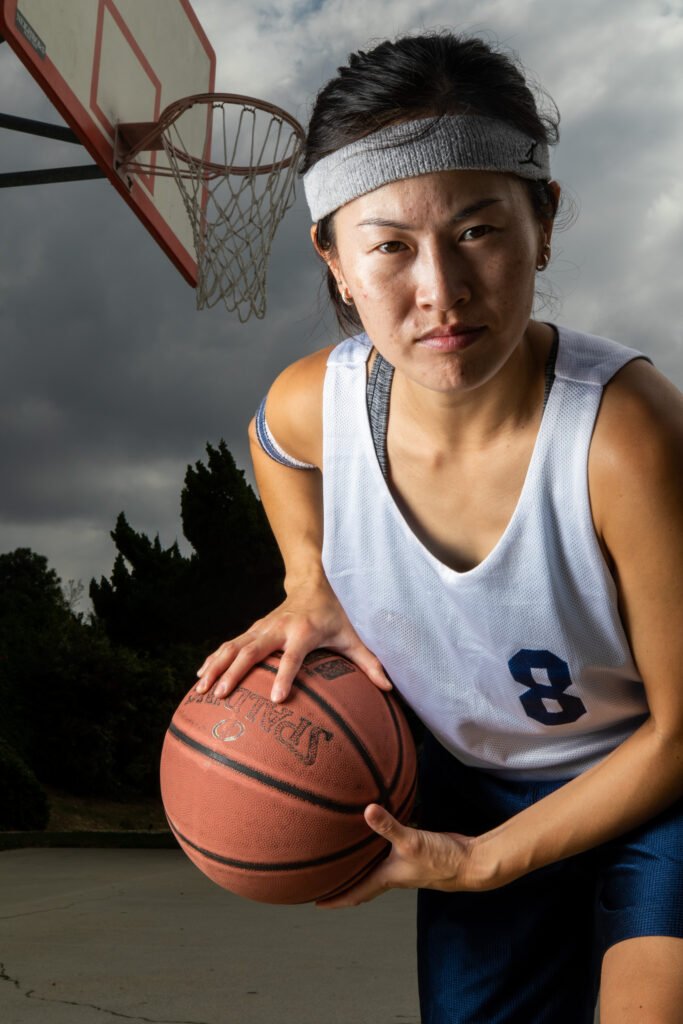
489	509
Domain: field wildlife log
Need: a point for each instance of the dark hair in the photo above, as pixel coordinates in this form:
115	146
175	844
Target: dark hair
422	76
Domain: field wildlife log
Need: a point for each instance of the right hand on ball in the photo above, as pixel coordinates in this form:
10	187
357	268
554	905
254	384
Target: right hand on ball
310	617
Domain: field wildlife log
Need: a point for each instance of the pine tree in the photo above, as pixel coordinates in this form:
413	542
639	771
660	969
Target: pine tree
179	608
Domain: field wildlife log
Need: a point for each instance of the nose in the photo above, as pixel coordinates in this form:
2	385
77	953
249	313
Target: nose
441	277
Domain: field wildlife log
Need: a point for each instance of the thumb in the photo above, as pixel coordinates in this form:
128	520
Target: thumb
385	824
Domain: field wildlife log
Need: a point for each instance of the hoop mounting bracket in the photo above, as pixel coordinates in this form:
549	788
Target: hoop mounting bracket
134	137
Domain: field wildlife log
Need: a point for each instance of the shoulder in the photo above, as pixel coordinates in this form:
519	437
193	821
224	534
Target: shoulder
590	358
640	418
636	465
294	407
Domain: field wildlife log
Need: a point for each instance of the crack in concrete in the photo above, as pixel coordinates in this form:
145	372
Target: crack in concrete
48	910
4	976
31	994
30	913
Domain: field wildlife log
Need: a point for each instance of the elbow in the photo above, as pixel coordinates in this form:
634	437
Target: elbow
669	738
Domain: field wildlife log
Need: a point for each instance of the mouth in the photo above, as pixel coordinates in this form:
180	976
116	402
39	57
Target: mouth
450	337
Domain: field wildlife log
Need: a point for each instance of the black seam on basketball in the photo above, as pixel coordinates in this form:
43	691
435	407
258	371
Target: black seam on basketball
408	802
388	794
267	780
270	866
399	735
371	764
300	865
384	792
359	876
387	797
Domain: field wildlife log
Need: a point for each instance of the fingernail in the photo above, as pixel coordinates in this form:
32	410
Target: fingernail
221	690
277	694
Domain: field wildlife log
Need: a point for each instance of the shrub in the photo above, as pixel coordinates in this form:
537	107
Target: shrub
23	803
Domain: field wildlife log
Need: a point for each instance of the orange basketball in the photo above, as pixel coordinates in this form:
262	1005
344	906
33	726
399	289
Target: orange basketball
267	799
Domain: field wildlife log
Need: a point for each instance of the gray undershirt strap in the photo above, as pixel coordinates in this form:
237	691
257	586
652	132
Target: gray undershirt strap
378	392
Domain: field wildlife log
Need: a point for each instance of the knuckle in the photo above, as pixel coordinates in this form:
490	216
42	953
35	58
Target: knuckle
250	650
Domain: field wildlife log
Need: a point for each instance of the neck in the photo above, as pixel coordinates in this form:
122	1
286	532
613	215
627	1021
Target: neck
474	418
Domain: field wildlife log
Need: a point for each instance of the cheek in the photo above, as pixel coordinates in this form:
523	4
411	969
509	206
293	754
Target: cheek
378	292
513	274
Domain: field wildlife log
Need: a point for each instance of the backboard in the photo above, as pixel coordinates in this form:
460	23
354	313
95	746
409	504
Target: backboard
102	62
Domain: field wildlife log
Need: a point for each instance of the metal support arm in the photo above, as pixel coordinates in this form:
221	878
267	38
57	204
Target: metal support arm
42	128
48	175
51	175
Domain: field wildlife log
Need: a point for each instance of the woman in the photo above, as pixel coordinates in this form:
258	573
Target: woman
501	502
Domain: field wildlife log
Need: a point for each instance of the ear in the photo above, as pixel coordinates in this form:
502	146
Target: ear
314	238
327	257
548	223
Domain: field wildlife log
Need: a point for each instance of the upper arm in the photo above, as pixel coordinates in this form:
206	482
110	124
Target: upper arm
294	408
636	488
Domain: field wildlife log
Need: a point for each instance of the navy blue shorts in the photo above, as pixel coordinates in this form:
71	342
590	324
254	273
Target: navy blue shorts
531	951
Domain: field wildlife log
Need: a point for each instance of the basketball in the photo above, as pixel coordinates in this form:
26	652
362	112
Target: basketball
268	799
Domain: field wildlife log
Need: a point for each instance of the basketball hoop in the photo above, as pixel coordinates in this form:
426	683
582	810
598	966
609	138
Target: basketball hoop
235	191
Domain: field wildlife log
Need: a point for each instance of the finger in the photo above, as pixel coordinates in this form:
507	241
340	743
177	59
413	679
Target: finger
380	879
385	824
210	676
217	663
218	660
291	660
369	887
369	664
242	663
203	667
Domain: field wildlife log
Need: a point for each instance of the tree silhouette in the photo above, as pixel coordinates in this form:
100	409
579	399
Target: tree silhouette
85	702
143	605
33	619
237	568
79	712
161	603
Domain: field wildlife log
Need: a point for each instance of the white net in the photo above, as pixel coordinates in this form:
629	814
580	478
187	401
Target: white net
235	192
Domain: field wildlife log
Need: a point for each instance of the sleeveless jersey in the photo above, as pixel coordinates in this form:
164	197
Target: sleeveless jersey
521	664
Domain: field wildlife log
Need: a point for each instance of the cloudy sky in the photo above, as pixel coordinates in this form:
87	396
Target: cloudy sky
112	382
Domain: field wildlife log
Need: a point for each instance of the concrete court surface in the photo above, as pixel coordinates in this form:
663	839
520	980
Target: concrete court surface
92	936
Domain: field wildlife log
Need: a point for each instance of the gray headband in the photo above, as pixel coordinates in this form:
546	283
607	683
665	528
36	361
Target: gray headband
411	148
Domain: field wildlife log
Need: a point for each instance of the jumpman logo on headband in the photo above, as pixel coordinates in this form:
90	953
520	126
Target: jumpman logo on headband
530	157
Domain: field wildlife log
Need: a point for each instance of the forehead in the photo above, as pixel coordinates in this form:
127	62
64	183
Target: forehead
430	196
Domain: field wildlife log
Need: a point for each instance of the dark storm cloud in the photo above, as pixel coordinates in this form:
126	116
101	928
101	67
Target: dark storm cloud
108	369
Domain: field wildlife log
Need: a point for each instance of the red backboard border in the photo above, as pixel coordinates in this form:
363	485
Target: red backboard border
82	120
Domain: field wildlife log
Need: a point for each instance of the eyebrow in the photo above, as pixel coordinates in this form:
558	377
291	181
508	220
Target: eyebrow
467	211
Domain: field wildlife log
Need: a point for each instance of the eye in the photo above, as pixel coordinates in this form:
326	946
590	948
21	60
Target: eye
391	247
471	234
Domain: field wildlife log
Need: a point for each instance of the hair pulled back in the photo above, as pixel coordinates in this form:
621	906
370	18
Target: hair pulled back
415	77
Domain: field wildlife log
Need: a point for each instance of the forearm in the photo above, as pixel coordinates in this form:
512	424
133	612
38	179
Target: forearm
643	776
311	616
292	499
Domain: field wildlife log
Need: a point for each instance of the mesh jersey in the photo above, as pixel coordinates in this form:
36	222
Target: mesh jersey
520	665
377	393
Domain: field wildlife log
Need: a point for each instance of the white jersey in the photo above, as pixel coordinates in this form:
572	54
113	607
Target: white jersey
521	664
